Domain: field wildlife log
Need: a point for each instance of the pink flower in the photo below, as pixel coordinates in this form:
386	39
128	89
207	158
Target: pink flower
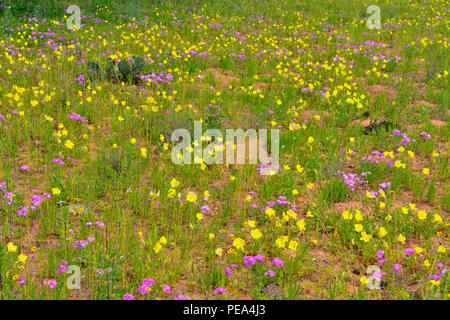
220	290
277	262
166	288
48	282
182	297
269	273
128	296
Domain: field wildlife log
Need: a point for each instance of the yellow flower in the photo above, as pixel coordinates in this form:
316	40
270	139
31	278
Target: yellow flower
426	263
358	215
238	243
211	236
382	205
382	232
363	280
437	219
140	234
163	240
365	237
143	152
281	242
199	216
368	195
295	192
435	283
174	183
12	247
404	210
69	144
270	212
401	238
256	234
299	168
441	249
426	171
310	139
293	245
191	197
301	225
422	215
157	248
56	191
411	154
251	223
358	227
22	258
133	140
347	215
219	252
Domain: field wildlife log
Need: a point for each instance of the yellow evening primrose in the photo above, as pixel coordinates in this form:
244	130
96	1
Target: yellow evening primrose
251	223
347	215
157	247
191	197
22	258
56	191
293	245
441	249
199	216
256	234
219	252
401	238
69	144
358	215
422	215
426	171
382	232
301	225
358	227
143	152
281	242
437	218
270	212
11	247
365	237
238	243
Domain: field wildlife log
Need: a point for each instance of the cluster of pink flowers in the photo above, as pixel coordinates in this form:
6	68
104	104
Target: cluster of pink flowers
251	260
75	116
277	262
182	297
50	283
62	267
145	288
221	291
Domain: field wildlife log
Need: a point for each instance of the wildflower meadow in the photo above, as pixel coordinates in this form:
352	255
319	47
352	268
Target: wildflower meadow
224	150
